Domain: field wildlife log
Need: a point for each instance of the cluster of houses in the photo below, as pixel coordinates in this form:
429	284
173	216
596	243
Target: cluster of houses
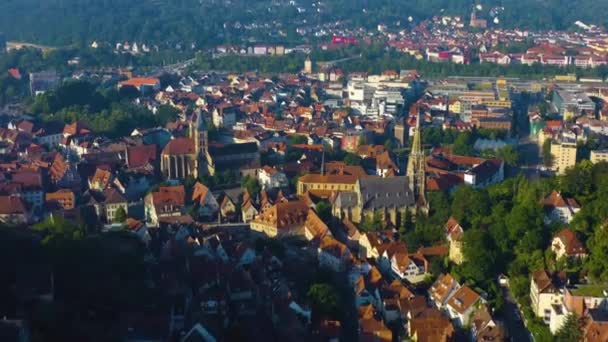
449	39
576	114
582	56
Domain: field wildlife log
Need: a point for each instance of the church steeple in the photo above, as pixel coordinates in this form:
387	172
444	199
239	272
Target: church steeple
416	168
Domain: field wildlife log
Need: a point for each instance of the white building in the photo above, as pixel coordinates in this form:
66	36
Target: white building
270	178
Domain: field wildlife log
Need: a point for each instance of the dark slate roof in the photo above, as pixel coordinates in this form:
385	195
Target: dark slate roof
346	200
377	193
233	149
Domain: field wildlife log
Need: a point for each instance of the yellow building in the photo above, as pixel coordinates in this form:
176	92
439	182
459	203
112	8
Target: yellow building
308	66
566	78
325	185
564	156
599	156
497	103
456	107
282	219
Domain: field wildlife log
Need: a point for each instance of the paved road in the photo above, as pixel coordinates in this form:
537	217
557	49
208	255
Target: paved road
513	321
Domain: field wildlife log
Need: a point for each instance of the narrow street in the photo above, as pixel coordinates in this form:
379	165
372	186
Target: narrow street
528	148
513	320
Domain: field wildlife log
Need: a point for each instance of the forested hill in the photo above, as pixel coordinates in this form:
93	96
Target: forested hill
62	22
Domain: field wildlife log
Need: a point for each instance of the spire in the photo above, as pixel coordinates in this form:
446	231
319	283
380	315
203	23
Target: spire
323	163
416	172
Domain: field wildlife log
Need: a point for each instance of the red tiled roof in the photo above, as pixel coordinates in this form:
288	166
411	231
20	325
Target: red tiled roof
571	242
179	146
174	195
12	205
140	81
141	155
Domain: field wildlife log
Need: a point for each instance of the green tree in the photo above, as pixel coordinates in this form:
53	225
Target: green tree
323	210
120	216
372	223
324	299
463	145
570	331
352	159
252	185
470	206
509	155
547	156
597	263
483	262
57	230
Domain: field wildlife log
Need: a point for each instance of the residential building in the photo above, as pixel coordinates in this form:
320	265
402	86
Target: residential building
167	201
282	219
333	254
454	236
13	210
208	206
144	85
442	289
564	155
314	227
270	178
224	116
595	326
411	267
485	328
63	198
487	173
31	187
559	208
249	209
598	156
566	244
431	326
462	304
113	201
545	292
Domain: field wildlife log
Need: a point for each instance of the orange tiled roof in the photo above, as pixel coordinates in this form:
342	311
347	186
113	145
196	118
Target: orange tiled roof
463	299
141	81
180	146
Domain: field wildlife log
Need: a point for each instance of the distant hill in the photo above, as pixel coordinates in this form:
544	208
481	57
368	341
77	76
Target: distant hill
64	22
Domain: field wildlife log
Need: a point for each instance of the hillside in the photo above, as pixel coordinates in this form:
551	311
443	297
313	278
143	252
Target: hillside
63	22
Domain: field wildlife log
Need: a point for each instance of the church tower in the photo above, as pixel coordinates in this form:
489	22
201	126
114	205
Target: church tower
416	172
308	66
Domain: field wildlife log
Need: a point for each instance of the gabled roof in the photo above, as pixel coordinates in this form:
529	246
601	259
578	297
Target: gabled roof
454	229
76	128
463	299
377	193
315	225
431	326
141	155
572	244
333	247
199	193
102	177
442	287
546	282
169	195
113	196
140	81
284	215
12	205
556	200
180	146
